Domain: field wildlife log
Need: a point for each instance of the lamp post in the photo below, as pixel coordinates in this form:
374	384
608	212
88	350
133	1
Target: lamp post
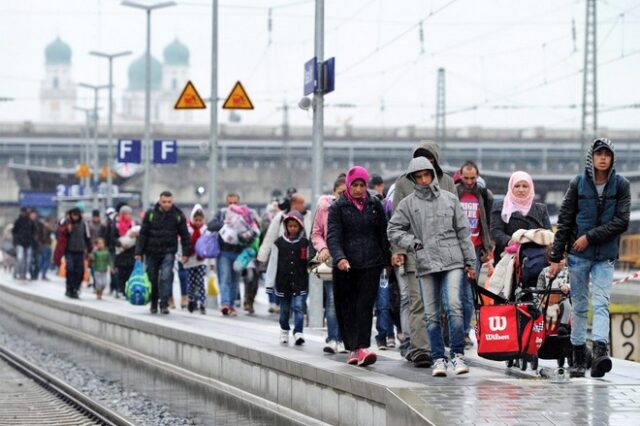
86	134
110	57
213	120
148	8
95	89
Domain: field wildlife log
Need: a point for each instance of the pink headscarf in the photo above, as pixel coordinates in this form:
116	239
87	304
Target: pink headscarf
357	173
511	203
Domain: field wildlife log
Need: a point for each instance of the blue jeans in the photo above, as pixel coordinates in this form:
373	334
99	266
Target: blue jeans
466	295
160	271
23	260
333	331
184	280
602	279
384	323
229	279
45	260
438	289
297	302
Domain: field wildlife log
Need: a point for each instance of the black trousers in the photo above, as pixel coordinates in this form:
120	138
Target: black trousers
355	294
124	272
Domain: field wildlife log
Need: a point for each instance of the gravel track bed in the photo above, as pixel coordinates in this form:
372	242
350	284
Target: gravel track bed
136	407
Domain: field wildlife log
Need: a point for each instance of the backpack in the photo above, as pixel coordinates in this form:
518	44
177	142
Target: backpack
138	288
208	246
532	262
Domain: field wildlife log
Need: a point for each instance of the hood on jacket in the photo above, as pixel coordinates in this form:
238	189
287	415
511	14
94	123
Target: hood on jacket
596	145
195	210
432	148
325	201
297	216
421	163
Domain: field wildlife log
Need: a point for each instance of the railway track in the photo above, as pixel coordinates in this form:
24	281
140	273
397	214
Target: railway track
31	396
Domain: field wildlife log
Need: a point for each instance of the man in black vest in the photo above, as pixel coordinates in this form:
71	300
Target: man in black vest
158	242
594	212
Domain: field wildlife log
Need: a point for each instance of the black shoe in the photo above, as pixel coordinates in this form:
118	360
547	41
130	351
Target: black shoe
154	309
422	360
203	310
578	366
601	363
74	295
191	306
164	310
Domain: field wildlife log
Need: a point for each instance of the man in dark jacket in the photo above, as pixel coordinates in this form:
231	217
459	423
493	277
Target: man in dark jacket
158	242
476	202
594	212
24	238
77	244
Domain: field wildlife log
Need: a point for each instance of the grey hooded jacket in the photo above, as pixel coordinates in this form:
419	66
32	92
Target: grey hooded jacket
430	224
404	187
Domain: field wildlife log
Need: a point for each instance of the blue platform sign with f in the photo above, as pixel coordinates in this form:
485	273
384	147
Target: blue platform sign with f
165	152
129	151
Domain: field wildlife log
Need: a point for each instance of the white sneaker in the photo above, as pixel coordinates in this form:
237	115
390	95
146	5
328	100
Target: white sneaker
439	368
299	339
284	337
341	348
331	347
458	364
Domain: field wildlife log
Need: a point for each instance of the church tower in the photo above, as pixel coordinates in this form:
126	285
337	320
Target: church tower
58	91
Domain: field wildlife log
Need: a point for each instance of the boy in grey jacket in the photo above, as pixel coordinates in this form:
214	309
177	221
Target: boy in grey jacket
431	224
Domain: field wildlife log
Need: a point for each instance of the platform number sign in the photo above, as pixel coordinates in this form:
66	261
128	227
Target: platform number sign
625	336
129	151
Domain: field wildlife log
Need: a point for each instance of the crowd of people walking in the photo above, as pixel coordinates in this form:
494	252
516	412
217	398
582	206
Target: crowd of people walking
410	256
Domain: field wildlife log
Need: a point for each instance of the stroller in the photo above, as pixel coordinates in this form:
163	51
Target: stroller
512	313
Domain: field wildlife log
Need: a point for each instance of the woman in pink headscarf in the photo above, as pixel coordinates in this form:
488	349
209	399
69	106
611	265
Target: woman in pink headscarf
517	211
357	241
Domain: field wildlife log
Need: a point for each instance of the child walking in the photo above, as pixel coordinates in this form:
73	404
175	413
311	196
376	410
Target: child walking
101	267
195	265
287	269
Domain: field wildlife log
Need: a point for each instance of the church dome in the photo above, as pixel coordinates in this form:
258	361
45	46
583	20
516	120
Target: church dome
137	73
57	53
176	53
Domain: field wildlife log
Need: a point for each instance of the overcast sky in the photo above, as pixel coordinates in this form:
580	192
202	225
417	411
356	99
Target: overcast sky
517	61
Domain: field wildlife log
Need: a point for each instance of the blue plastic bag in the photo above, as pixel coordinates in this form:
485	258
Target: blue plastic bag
138	288
207	246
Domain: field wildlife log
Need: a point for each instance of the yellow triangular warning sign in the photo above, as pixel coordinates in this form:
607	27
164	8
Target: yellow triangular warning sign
238	98
189	98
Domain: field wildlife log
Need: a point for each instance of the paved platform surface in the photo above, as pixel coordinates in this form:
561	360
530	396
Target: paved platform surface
489	394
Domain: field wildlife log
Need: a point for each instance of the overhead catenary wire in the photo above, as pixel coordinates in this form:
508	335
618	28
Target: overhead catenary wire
396	38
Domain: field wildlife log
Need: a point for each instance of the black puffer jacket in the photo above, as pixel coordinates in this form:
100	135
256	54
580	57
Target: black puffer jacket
538	217
160	231
359	237
24	231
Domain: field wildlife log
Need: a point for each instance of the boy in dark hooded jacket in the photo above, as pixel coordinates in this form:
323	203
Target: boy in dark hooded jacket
287	269
594	212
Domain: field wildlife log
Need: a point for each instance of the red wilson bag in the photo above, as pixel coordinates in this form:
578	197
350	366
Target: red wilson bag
509	331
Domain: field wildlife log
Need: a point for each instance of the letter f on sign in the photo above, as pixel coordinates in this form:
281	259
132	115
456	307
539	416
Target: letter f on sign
125	146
